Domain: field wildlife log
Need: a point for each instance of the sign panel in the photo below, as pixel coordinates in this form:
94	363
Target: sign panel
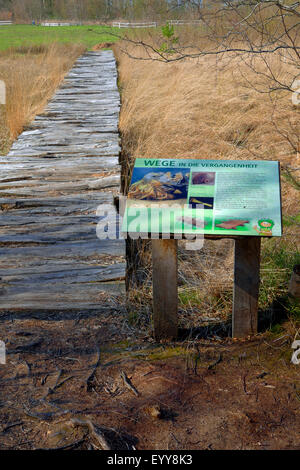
210	197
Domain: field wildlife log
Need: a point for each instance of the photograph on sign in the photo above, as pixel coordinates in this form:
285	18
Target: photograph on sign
217	197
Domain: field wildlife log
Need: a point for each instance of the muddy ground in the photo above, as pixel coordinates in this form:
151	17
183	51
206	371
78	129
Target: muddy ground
81	380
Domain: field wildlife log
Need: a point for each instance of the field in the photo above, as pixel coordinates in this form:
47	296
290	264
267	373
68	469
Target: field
15	36
33	61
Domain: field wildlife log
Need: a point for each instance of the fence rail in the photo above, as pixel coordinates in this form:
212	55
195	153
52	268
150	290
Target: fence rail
59	23
154	24
183	22
117	24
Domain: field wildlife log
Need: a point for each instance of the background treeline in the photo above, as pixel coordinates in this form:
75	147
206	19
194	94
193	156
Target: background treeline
81	10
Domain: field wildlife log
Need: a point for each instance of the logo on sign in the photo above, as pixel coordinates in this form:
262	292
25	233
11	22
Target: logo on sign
110	223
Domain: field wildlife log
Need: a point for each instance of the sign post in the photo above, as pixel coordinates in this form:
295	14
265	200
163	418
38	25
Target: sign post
165	286
246	286
179	199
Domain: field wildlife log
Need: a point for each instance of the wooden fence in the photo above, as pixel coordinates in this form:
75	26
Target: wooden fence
154	24
184	22
115	24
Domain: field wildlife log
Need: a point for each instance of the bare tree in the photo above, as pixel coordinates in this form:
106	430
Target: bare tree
246	28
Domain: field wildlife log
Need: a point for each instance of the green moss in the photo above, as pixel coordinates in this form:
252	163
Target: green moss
133	318
291	178
124	344
159	354
277	261
289	221
189	297
276	329
293	308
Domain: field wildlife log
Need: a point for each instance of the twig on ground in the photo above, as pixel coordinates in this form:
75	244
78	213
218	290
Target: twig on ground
95	431
175	438
244	383
262	375
212	366
11	425
72	445
197	358
63	381
44	416
52	389
91	377
128	384
25	347
44	379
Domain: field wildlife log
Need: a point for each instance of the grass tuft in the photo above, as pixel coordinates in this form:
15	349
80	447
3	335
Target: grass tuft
31	75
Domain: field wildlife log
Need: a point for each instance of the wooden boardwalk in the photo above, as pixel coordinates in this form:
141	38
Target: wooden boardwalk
57	173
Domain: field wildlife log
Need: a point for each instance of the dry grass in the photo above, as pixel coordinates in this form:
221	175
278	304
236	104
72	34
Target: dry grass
31	76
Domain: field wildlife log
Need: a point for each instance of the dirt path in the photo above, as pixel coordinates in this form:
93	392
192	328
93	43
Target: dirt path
58	172
220	395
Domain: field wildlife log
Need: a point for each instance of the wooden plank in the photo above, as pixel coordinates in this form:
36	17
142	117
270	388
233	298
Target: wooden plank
38	186
85	200
18	222
73	297
246	286
165	287
63	273
51	234
19	168
65	252
89	150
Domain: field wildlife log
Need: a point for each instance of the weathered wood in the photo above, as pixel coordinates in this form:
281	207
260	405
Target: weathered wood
246	286
59	171
67	297
66	273
38	186
51	234
165	286
83	251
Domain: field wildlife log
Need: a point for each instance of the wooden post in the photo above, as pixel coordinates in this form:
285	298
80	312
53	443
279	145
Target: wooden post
165	289
246	286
